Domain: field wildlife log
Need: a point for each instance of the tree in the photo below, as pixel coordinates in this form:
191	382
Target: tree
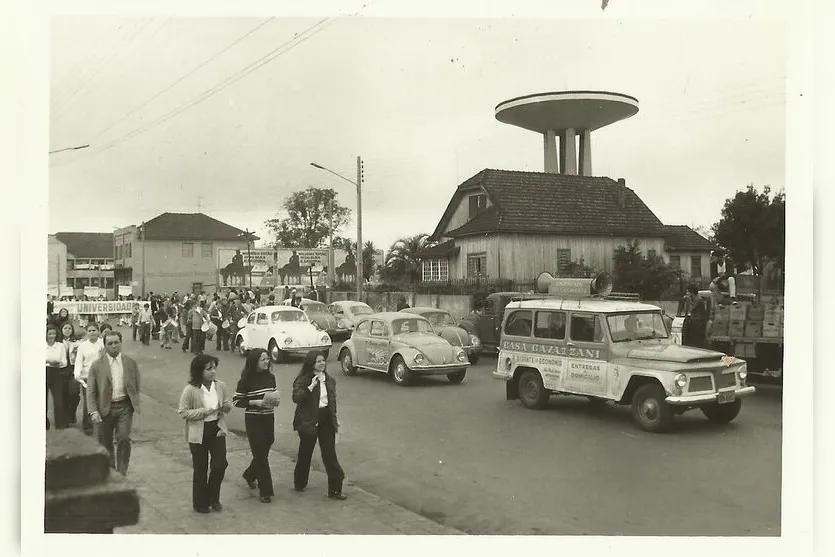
308	223
577	269
753	226
402	260
649	276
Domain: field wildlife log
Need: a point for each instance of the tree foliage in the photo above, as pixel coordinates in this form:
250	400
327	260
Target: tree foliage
306	222
753	226
402	261
577	269
649	276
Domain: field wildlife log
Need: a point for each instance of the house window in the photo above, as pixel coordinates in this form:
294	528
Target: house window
81	282
477	265
650	253
71	264
207	249
695	266
478	203
563	260
71	282
435	270
675	261
188	249
130	251
108	283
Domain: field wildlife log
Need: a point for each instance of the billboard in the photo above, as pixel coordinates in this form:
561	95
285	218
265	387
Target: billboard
275	267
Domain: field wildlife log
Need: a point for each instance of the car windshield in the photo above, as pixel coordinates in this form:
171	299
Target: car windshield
361	310
400	326
315	307
637	326
288	316
439	318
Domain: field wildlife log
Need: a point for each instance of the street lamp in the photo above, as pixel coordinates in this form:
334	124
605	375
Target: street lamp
358	185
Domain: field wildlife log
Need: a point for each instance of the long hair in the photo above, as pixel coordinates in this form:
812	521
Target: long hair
53	328
61	337
198	364
309	362
251	365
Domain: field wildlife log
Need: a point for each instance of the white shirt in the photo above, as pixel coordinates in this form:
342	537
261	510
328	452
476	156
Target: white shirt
210	401
88	352
56	352
117	372
323	394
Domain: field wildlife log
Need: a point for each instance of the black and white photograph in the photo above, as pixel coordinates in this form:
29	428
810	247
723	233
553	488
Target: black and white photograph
479	273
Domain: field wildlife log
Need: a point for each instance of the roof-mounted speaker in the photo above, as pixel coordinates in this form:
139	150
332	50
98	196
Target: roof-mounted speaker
599	285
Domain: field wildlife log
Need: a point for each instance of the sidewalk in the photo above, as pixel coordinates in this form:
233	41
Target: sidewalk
161	471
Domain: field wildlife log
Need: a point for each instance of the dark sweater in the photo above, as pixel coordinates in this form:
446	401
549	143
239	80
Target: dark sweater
252	388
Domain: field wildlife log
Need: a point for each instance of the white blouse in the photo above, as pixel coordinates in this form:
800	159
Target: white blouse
210	401
88	352
56	352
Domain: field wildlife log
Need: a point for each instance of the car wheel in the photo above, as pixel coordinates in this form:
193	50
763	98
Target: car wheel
239	346
401	374
650	410
722	413
347	363
276	354
474	358
532	392
456	377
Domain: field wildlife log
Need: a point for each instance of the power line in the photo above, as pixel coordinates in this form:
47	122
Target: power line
180	79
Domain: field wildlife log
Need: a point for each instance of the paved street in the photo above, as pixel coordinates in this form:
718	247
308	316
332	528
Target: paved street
465	458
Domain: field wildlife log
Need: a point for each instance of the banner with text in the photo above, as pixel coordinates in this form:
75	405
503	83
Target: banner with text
87	308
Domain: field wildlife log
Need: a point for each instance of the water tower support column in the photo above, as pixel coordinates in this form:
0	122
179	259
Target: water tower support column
550	147
568	152
585	153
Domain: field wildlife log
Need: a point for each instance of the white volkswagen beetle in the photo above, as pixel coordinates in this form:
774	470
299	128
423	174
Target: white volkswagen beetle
282	331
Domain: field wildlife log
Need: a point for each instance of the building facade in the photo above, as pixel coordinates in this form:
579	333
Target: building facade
174	252
88	263
514	225
56	266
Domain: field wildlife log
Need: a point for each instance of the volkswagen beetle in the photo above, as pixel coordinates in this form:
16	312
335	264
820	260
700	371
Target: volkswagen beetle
322	318
282	331
403	346
350	311
447	327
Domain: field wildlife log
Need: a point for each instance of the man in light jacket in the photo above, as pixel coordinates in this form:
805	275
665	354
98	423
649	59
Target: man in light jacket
112	398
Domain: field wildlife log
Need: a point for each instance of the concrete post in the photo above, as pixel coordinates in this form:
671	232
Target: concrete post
585	153
550	147
568	151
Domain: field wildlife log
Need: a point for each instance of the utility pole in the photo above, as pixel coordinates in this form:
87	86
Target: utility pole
359	256
142	233
249	255
330	246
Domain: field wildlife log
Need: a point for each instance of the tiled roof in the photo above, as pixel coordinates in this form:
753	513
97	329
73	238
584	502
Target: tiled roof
683	238
544	203
190	226
441	250
97	245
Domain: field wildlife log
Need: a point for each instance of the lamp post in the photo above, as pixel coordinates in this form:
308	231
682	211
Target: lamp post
358	184
142	232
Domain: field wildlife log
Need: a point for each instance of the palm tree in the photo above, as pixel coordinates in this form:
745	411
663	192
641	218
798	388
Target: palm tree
402	261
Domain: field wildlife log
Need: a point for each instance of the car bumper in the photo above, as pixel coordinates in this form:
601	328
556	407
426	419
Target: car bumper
305	349
439	369
338	332
689	400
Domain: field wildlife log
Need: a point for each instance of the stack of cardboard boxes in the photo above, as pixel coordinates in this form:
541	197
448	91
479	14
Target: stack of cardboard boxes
772	316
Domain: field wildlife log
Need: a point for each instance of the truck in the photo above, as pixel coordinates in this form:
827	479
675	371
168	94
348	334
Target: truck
487	322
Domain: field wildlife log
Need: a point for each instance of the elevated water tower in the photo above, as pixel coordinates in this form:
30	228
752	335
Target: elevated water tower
567	114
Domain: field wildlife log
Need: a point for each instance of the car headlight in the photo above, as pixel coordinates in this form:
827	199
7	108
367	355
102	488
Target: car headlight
743	372
474	340
420	359
288	341
681	380
326	339
462	356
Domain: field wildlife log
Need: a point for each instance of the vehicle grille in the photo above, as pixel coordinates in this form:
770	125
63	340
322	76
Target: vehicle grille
726	380
700	384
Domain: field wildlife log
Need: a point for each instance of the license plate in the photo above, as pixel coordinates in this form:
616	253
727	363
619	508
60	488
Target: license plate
726	396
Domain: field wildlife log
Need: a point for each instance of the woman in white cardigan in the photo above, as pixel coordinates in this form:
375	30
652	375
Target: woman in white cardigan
204	405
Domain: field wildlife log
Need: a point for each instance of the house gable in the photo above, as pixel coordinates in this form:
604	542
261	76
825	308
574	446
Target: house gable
457	211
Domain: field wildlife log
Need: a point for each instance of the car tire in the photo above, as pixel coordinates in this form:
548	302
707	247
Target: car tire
456	377
400	372
649	409
722	413
239	347
474	358
276	354
532	392
346	363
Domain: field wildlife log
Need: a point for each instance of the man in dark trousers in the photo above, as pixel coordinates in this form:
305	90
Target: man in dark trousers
694	331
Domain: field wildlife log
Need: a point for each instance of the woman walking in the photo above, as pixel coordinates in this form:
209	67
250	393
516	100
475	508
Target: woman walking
56	363
72	394
314	392
256	393
89	350
204	404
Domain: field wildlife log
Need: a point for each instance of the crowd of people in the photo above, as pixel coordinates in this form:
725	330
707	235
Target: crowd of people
85	367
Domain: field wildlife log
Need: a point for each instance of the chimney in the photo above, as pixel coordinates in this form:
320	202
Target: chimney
622	193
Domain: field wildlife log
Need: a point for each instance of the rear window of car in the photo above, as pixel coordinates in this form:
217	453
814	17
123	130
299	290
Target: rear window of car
550	324
519	323
361	310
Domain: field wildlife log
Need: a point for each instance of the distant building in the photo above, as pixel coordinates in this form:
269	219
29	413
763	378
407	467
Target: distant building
88	262
689	251
504	224
180	252
56	266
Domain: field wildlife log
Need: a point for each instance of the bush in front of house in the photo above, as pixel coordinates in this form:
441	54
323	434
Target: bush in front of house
649	276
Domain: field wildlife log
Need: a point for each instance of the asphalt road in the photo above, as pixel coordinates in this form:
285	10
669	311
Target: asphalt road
464	456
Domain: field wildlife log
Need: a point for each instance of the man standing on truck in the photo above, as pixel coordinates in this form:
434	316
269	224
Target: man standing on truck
694	330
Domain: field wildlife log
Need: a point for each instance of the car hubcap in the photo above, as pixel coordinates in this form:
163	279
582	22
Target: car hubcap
346	362
399	372
275	352
530	390
649	409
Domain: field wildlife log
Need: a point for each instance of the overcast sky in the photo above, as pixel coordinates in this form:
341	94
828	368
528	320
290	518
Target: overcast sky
415	98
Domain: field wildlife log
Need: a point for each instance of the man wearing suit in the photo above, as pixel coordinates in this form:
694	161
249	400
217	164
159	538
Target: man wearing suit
112	398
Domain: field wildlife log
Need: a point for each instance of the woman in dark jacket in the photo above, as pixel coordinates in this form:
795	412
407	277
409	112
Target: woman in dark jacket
314	392
256	393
